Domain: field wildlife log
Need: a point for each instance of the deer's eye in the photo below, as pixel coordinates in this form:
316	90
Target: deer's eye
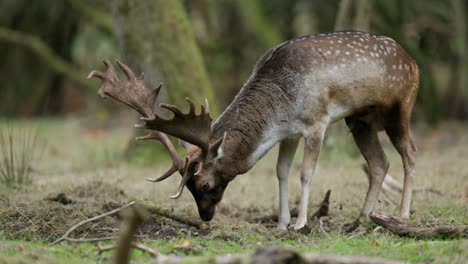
205	187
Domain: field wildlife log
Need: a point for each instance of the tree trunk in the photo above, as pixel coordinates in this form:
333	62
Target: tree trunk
363	15
343	15
156	39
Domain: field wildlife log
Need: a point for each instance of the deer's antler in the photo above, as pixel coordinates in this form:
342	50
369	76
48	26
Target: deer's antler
191	127
132	92
177	163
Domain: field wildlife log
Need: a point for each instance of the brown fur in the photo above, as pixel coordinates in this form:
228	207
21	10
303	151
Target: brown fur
296	89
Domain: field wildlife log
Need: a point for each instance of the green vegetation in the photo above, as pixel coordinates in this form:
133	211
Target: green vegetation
95	178
17	151
82	161
377	245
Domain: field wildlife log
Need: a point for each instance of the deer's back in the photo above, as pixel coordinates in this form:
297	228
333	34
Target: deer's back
338	73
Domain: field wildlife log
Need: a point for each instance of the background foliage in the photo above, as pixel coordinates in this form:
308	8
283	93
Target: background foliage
207	48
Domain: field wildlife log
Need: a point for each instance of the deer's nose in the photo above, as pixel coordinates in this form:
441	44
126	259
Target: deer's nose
207	214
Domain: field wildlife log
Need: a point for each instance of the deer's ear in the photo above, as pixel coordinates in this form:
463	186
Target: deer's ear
184	144
216	150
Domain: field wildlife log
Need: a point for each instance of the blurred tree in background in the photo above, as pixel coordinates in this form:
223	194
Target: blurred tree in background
48	46
156	38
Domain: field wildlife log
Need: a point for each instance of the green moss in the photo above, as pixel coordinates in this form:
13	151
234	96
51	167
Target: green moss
158	38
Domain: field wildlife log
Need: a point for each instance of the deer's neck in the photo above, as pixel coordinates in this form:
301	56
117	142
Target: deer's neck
251	122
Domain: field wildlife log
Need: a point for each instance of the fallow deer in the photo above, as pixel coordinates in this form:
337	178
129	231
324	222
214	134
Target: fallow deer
296	89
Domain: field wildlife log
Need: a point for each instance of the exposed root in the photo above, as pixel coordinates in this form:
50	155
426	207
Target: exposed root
143	248
390	185
181	218
274	217
323	208
403	229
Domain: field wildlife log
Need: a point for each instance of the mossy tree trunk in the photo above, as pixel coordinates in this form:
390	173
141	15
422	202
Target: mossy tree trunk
157	39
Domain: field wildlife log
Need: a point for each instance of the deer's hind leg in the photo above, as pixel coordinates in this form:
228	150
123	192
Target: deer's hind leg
286	153
365	136
397	127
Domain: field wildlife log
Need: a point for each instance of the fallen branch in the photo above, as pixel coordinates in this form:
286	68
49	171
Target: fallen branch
66	237
143	248
274	217
181	218
393	186
323	207
403	229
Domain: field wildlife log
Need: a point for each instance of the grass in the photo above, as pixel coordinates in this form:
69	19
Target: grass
17	150
378	245
83	160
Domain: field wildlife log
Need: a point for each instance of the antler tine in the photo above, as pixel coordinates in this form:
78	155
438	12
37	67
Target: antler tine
110	70
97	74
132	92
128	72
190	127
109	74
166	175
206	107
191	106
174	109
176	160
182	183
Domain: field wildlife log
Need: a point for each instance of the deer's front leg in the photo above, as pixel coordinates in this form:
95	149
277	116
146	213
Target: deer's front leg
285	157
312	145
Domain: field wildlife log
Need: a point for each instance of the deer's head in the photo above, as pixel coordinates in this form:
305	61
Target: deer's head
202	168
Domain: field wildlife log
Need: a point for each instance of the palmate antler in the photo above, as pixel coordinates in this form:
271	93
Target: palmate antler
190	127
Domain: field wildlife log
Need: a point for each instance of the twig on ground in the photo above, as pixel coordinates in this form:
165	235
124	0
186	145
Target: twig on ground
357	234
66	237
102	249
145	249
181	218
321	228
393	186
388	198
274	217
403	229
323	208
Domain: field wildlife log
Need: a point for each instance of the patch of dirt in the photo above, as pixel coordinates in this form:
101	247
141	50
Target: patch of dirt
59	198
49	218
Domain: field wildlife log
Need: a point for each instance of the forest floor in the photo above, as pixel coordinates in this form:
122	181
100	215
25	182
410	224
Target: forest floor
86	162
